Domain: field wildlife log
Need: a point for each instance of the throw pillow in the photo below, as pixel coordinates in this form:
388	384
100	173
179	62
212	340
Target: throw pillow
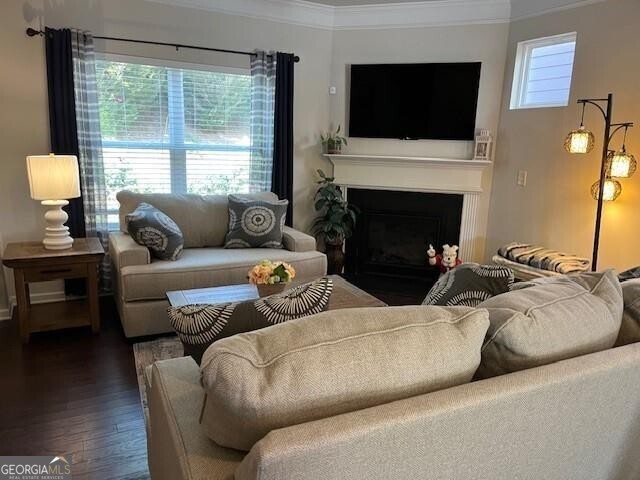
630	329
555	319
255	223
469	285
198	326
155	230
332	363
629	274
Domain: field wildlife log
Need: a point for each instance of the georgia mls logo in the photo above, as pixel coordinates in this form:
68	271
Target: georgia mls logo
35	468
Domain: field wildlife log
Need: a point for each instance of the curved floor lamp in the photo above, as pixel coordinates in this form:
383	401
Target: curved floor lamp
615	164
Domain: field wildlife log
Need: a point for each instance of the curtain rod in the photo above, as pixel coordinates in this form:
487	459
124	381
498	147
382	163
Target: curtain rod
33	32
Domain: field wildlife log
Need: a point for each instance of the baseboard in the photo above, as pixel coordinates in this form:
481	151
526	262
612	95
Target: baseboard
45	297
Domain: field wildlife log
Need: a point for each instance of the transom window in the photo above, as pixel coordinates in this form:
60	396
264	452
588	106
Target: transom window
172	128
542	75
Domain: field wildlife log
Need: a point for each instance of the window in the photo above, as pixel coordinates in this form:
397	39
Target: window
172	129
542	75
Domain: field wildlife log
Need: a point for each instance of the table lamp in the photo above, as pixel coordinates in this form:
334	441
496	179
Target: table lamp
53	179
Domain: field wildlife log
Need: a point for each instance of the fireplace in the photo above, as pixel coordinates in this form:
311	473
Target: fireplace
388	250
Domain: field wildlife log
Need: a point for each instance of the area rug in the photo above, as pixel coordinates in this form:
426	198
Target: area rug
146	353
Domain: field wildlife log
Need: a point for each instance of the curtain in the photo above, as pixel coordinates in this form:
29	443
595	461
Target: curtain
93	185
263	78
282	173
62	123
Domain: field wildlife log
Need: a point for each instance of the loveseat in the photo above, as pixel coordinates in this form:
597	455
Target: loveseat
140	282
572	419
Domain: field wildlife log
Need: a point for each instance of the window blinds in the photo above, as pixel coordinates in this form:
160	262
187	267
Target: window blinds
177	130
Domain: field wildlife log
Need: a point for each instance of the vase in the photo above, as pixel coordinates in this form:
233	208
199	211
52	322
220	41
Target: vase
264	290
335	258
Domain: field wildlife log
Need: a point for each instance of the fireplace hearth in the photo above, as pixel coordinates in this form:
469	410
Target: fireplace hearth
388	251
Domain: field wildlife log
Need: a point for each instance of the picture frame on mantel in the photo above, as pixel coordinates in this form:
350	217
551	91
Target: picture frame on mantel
483	147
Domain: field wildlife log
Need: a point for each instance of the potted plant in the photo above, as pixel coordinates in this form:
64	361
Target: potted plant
332	142
335	223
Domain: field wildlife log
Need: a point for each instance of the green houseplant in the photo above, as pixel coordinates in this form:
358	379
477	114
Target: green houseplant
332	142
335	223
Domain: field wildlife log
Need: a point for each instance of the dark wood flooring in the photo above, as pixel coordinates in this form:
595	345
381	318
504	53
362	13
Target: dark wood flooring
71	392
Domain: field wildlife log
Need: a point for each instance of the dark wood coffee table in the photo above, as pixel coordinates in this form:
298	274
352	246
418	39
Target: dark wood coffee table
345	295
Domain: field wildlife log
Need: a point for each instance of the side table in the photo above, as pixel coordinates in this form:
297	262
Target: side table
31	262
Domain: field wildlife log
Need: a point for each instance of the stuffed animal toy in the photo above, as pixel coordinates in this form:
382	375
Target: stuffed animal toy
445	262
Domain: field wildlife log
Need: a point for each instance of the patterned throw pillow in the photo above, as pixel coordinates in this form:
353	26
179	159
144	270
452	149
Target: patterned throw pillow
469	285
198	326
255	223
155	230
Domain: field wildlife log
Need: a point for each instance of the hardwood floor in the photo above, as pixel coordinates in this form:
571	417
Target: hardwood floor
71	392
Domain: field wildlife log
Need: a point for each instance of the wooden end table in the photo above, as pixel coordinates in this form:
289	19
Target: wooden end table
31	262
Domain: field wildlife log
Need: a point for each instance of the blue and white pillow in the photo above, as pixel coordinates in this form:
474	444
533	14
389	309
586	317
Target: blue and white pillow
255	223
155	230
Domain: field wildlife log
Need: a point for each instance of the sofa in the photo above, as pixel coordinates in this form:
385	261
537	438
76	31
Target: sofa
576	418
140	282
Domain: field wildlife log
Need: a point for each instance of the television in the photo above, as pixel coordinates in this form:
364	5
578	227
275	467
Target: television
414	101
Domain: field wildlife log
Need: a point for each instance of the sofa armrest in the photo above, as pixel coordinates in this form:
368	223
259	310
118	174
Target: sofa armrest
296	241
125	251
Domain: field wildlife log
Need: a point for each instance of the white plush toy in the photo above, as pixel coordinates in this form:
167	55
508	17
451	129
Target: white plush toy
445	262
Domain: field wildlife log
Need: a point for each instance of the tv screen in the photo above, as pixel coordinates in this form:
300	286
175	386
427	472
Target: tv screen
414	101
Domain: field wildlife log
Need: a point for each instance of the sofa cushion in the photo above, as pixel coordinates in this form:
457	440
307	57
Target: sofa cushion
199	326
210	267
630	329
551	319
334	362
255	223
469	285
203	219
155	230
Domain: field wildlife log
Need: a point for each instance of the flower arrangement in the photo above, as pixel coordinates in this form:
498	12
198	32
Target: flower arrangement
271	273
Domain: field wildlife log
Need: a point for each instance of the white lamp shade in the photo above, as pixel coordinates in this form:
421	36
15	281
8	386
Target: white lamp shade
53	177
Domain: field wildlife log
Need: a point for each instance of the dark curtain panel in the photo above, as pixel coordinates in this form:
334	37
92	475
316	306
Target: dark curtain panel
62	122
282	173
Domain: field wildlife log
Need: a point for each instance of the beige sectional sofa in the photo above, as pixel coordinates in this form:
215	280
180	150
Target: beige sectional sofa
141	282
384	393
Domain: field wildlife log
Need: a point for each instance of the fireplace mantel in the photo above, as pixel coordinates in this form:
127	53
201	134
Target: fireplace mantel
420	174
446	175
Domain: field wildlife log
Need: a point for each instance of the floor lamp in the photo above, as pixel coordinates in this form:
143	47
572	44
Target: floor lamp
614	164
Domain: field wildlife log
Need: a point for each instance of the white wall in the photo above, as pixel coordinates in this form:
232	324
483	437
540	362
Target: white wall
468	43
24	118
555	208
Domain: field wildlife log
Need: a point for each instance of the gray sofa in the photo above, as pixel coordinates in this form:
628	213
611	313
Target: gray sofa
575	419
141	282
310	384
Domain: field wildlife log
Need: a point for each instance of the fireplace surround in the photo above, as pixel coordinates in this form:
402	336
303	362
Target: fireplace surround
442	177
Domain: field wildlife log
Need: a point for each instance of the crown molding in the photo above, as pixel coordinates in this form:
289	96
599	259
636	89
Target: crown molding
295	12
429	13
522	14
392	15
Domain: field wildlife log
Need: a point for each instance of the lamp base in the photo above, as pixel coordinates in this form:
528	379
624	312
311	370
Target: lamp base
57	233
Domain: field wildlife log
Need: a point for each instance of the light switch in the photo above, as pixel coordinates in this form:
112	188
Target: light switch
522	178
333	90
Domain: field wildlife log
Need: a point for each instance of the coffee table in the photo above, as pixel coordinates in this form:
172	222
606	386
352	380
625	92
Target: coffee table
344	295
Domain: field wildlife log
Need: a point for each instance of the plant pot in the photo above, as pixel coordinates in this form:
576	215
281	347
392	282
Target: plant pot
334	147
271	289
335	258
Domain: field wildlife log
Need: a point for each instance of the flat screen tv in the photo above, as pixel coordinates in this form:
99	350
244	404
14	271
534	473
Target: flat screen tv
414	101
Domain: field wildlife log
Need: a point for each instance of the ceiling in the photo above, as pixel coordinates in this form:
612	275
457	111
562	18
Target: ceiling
363	14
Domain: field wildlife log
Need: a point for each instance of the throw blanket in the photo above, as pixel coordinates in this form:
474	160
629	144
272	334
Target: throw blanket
543	258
